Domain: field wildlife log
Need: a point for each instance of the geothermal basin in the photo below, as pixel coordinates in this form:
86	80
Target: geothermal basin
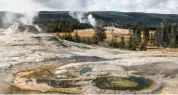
34	62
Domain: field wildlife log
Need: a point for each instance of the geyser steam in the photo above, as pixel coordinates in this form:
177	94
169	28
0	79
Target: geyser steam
91	20
83	18
23	18
22	11
29	9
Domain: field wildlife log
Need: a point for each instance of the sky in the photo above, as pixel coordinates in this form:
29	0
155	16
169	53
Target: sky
148	6
30	8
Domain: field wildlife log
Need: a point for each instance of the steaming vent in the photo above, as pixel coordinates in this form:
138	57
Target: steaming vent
18	28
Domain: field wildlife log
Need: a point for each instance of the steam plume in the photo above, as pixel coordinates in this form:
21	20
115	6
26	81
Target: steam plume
91	20
83	18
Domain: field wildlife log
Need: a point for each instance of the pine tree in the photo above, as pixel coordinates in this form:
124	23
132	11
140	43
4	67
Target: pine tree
158	37
146	35
138	36
122	43
69	37
134	46
100	34
174	43
83	40
130	42
152	39
88	40
174	38
76	37
165	35
127	45
143	46
131	45
94	40
114	43
64	36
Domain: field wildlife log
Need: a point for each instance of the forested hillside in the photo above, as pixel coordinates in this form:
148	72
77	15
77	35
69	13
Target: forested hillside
62	21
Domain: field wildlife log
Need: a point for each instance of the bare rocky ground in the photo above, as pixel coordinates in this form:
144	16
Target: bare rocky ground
21	49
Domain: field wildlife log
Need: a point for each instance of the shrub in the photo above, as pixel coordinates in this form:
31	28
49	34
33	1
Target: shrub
122	43
69	37
76	37
114	43
143	46
133	46
88	40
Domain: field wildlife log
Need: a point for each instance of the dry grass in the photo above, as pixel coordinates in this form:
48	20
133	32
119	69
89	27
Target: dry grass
162	50
90	33
124	83
120	32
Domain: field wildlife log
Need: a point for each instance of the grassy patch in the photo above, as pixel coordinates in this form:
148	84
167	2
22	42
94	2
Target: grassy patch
122	83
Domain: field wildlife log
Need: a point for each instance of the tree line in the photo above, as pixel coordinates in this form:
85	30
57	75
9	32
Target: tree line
167	36
140	37
99	35
61	25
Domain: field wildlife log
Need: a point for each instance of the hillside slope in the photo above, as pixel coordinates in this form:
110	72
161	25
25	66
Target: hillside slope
110	17
150	19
